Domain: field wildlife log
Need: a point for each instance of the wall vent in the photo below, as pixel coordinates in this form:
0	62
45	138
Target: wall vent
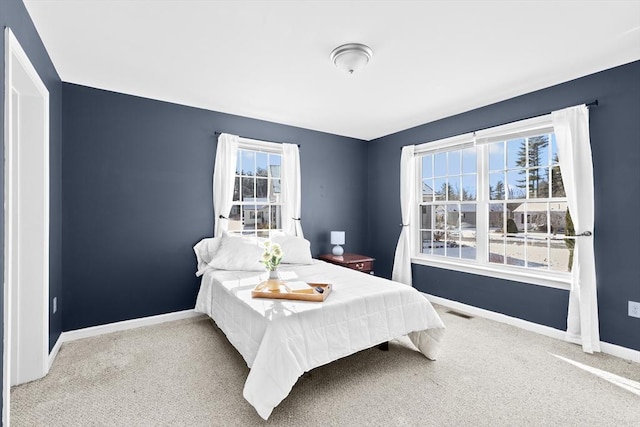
457	313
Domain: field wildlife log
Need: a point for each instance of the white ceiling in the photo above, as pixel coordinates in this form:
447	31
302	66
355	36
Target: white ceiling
270	59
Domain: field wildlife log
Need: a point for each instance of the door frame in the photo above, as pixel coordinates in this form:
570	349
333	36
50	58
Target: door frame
26	308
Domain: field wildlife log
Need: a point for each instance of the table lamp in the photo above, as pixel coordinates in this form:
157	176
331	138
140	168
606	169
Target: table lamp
337	239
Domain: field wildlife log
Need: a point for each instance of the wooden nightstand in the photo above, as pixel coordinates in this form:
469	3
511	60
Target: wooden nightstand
352	261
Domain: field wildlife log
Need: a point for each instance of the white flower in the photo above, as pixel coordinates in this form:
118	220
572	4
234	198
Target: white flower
272	255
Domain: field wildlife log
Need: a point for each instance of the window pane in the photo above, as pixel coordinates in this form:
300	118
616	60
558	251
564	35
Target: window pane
453	190
516	220
516	183
236	189
427	166
496	156
261	189
276	217
496	186
427	190
469	187
537	218
468	231
469	162
538	154
516	153
544	151
538	183
496	217
248	219
248	192
514	250
452	217
561	254
440	188
440	164
248	163
454	163
426	242
554	149
235	219
438	242
558	214
261	164
262	217
439	217
557	187
452	249
274	191
239	163
425	217
537	252
496	248
274	165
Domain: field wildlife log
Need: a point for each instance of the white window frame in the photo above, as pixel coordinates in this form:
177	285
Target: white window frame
257	146
482	139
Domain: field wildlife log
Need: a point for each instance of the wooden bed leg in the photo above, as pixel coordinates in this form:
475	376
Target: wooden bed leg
384	346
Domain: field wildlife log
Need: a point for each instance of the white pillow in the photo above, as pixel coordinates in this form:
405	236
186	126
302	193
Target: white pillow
296	249
205	249
238	253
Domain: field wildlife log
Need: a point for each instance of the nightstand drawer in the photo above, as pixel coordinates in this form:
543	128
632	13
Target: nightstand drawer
364	266
352	261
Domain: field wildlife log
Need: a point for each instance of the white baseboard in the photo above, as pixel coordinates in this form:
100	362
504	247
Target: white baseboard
127	324
56	348
619	351
612	349
118	326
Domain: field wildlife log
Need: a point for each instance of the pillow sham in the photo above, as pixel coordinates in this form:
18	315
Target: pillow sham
205	249
296	249
238	253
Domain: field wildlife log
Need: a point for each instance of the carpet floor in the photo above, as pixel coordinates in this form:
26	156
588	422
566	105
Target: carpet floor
186	373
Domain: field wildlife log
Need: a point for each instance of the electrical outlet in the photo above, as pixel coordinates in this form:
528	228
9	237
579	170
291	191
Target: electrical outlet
55	305
634	309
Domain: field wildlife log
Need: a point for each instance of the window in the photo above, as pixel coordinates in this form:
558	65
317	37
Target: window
493	203
257	199
448	203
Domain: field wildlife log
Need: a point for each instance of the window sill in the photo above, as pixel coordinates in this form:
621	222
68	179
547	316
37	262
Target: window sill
540	278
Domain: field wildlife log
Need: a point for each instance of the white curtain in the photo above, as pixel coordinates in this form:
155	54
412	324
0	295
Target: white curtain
402	261
291	192
223	180
571	127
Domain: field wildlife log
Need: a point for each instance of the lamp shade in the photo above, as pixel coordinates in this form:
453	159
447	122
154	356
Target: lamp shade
337	237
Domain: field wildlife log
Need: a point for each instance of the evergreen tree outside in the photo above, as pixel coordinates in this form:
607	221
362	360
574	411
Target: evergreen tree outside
534	157
497	192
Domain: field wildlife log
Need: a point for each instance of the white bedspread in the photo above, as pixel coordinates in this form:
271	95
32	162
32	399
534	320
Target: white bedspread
280	339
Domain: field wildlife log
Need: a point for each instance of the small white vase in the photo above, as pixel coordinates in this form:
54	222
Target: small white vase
273	283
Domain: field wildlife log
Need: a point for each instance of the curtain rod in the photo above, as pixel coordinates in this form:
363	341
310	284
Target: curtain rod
593	103
218	133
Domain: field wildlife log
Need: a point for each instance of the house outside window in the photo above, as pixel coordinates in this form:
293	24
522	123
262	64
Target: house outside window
493	203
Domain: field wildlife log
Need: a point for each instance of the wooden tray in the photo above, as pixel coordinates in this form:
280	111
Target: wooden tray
310	294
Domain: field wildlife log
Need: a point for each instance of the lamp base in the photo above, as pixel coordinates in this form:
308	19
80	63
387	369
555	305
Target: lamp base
337	250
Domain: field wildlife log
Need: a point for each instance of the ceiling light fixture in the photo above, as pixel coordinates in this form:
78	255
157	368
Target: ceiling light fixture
351	57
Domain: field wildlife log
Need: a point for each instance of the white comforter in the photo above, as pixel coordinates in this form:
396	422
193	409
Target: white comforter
280	339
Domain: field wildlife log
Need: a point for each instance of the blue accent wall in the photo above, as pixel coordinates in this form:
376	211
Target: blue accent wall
14	15
615	141
137	179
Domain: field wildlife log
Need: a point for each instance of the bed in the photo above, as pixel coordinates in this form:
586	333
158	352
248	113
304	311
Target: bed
281	339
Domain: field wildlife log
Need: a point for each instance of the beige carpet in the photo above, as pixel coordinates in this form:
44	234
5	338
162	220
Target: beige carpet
186	373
